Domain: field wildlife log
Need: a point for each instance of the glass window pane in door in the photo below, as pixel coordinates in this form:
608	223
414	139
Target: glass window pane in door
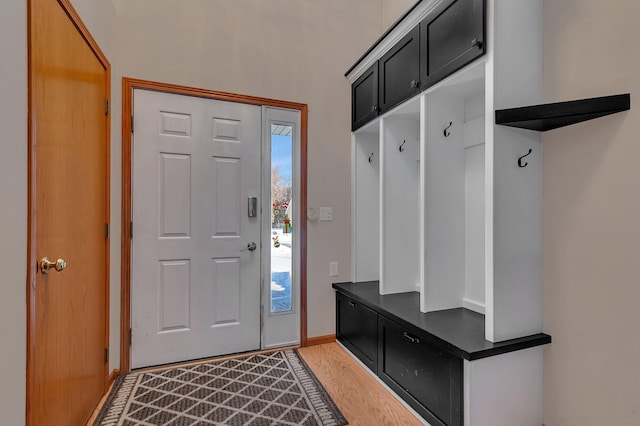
282	226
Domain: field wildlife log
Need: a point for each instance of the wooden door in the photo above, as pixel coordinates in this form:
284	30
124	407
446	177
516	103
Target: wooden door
195	289
69	211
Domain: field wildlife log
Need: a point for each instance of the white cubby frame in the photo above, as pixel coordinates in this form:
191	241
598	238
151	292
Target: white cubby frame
508	75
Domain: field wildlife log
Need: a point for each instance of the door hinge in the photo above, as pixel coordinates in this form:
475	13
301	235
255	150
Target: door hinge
130	337
261	317
106	106
131	230
132	124
106	354
106	231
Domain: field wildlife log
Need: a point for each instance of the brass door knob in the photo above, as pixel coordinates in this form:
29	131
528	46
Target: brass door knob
46	265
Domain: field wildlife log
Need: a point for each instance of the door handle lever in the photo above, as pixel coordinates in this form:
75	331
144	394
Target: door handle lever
251	247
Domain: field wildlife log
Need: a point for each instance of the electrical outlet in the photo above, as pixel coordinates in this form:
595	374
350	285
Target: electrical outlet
333	269
326	214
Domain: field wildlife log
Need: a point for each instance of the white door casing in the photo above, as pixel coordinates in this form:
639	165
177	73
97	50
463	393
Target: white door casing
195	289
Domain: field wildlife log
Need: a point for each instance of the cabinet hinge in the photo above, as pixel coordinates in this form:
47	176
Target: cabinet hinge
106	354
106	231
106	106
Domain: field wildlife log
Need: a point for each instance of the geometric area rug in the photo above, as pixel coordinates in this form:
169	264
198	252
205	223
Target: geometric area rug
275	388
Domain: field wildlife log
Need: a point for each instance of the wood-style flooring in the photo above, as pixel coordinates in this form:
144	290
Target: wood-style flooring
360	398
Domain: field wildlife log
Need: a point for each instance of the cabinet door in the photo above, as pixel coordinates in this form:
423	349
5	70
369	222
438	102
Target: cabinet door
364	98
450	37
429	379
357	329
399	71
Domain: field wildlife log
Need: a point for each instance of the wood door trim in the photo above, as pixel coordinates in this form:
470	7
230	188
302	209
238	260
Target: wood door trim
32	261
128	85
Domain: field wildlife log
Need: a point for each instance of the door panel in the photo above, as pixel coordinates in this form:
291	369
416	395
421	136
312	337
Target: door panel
399	72
451	36
226	203
174	289
69	190
175	195
195	287
429	379
357	329
224	297
364	98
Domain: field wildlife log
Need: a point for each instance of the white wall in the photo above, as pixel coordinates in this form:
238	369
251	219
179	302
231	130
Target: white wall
13	208
592	218
394	9
294	50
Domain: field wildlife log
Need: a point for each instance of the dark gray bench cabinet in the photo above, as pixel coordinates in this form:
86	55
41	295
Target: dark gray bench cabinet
420	356
357	329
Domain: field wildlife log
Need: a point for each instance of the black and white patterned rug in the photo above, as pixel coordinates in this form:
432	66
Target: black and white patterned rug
263	389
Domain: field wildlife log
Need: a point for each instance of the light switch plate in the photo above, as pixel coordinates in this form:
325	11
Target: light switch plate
312	212
326	214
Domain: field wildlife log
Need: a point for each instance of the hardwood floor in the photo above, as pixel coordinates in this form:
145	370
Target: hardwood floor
362	400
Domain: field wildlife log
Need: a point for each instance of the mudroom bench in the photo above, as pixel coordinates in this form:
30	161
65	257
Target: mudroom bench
438	362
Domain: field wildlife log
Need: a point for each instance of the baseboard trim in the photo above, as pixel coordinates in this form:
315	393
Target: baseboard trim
321	340
473	305
112	377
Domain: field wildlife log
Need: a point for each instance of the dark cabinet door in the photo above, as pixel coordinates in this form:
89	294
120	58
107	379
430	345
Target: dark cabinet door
399	71
357	329
451	36
364	98
429	379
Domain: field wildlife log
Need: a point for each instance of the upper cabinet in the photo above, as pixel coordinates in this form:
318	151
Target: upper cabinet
451	36
447	35
364	98
399	71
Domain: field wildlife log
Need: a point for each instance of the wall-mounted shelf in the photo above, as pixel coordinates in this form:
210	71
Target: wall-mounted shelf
552	116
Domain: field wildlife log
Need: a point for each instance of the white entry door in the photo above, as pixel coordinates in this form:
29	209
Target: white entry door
195	289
